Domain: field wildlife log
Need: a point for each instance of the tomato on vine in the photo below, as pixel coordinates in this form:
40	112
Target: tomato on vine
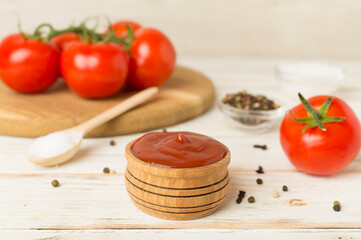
28	65
121	27
152	59
98	66
94	70
63	40
94	65
321	136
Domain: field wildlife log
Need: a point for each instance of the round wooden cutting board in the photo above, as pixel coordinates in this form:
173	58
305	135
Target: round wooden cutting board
187	94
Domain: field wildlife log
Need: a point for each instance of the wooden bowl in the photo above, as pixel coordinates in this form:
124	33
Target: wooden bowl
176	193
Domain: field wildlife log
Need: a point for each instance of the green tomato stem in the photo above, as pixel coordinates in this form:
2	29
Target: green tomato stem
324	108
24	35
316	118
306	104
88	35
37	32
55	33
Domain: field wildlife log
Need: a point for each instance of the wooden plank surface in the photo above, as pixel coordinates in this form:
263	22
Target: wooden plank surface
95	201
159	234
89	202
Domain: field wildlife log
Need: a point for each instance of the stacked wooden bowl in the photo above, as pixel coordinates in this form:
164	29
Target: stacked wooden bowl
176	193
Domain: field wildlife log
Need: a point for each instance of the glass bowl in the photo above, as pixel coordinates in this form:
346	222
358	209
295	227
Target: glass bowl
308	78
252	120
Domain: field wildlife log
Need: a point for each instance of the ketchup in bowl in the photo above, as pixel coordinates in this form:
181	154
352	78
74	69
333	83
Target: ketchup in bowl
178	149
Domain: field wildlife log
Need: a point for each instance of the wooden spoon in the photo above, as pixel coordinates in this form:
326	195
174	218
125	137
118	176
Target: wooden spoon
76	133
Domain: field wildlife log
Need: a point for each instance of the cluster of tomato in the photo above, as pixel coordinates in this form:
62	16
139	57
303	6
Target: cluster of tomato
93	65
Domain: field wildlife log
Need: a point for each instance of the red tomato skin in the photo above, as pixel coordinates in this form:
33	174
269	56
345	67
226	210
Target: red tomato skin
94	70
61	41
152	59
320	152
120	27
28	66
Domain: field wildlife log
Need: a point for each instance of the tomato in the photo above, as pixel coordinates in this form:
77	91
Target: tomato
61	41
28	66
120	27
94	70
152	59
321	151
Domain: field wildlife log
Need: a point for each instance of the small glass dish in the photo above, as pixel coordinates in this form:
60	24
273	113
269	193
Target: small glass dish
252	120
308	78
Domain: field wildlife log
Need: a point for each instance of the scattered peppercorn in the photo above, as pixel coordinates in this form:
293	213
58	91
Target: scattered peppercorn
263	147
240	197
55	183
275	193
259	181
336	206
164	130
251	199
113	171
284	188
112	143
260	170
106	170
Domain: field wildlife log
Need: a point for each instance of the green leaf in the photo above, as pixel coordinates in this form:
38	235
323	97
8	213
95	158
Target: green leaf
317	120
332	119
306	104
325	106
312	125
301	120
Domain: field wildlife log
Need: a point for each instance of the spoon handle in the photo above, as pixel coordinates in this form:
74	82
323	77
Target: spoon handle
117	110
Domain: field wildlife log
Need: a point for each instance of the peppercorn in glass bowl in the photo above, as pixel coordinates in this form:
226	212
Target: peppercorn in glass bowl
252	112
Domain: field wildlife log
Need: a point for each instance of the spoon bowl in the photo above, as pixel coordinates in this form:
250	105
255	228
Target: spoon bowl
61	158
70	139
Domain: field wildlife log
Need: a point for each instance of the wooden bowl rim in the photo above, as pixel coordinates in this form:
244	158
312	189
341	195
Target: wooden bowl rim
175	172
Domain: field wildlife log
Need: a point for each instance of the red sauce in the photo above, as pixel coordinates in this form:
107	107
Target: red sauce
178	149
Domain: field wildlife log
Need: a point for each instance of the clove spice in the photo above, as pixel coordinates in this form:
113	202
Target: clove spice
260	170
240	197
263	147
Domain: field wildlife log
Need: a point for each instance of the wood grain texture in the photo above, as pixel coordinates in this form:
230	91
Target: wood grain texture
93	205
161	234
187	94
100	201
176	193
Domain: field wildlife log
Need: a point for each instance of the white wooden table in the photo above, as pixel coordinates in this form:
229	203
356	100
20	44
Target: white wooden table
92	205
